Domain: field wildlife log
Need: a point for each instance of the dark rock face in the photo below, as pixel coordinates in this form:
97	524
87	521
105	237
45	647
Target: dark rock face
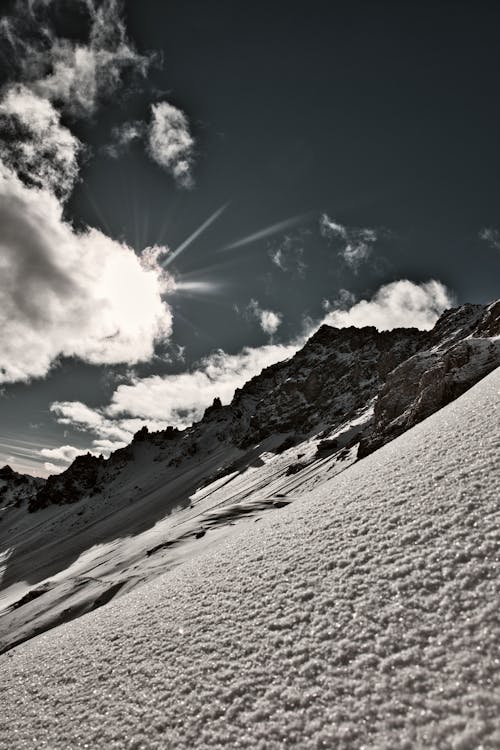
141	435
69	486
462	348
7	473
15	488
327	382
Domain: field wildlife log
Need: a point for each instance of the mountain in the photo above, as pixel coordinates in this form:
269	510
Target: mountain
362	615
105	526
17	489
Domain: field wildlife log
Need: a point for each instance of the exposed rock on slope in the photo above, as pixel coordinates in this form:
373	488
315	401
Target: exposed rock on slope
337	373
463	347
79	479
16	489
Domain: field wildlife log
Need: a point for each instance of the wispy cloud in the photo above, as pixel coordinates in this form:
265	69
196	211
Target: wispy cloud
269	320
261	234
167	138
354	245
74	74
342	301
491	236
123	135
170	142
287	254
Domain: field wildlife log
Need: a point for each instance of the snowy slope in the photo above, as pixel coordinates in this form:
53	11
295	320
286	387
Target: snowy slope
363	615
102	527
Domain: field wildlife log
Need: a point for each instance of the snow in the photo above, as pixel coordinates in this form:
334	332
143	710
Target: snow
364	615
67	557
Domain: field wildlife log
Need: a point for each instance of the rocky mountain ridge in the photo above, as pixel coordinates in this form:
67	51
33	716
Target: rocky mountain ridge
347	387
16	489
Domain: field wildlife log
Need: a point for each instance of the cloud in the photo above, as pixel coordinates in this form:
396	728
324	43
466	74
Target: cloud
184	397
167	138
177	400
491	236
343	300
51	468
35	145
73	74
399	304
65	453
110	432
123	136
288	254
62	74
68	293
64	456
354	245
170	143
269	320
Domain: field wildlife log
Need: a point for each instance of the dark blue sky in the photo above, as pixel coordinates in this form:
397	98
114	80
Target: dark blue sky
382	115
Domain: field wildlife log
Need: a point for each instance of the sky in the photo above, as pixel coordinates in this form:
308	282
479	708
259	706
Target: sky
188	191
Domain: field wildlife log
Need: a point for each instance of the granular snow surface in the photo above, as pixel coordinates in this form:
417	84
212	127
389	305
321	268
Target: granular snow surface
363	615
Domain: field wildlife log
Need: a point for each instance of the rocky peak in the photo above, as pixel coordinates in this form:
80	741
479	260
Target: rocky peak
329	379
489	323
16	488
7	473
462	348
79	479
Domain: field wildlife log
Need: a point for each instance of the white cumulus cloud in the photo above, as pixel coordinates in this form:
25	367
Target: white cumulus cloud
170	142
178	400
181	399
400	304
35	145
268	320
68	293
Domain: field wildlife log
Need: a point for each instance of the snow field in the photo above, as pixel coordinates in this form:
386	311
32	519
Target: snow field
362	616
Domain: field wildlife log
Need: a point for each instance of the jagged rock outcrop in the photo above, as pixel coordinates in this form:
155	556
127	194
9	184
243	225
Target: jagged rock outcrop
336	373
15	488
463	347
79	479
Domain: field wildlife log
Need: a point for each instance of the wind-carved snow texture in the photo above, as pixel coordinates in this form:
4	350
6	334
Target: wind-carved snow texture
364	615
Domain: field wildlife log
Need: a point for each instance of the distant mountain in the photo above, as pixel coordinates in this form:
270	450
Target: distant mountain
17	489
